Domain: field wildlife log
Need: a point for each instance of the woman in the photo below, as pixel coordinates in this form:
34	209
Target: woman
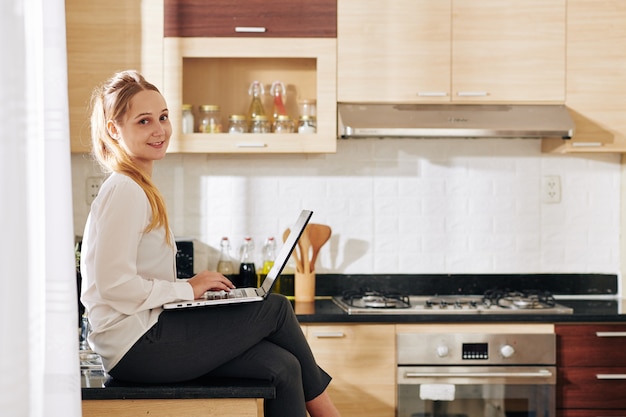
128	270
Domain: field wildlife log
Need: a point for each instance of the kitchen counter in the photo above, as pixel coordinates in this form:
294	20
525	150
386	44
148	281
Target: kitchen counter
593	297
324	310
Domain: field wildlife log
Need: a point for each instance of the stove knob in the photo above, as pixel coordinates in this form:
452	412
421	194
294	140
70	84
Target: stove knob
507	351
442	351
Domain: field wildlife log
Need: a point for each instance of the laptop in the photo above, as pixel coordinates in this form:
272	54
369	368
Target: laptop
247	295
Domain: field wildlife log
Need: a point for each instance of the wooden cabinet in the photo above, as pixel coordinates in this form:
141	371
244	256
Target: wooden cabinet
596	79
361	360
591	370
103	38
207	62
219	71
451	50
230	18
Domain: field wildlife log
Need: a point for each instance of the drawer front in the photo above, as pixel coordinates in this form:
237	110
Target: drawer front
591	345
600	388
591	413
230	18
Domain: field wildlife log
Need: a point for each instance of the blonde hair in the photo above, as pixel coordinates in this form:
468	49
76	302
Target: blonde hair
111	101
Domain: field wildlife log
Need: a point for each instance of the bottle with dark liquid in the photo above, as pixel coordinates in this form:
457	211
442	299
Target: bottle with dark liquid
247	270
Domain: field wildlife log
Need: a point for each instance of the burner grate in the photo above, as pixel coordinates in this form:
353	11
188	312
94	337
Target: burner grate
375	299
527	299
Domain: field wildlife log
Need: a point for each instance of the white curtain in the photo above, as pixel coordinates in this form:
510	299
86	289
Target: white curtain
39	373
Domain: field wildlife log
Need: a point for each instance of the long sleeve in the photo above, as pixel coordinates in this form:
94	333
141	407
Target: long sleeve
128	273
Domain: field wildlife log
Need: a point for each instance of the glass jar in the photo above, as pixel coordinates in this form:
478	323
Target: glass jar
283	124
307	124
260	124
307	107
188	121
237	123
210	119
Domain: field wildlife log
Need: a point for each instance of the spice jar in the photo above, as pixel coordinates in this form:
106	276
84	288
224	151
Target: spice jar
237	123
307	124
210	119
260	124
283	124
188	122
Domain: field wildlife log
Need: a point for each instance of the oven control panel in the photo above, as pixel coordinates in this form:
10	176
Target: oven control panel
471	348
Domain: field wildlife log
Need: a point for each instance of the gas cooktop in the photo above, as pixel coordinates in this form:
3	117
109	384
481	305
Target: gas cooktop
492	302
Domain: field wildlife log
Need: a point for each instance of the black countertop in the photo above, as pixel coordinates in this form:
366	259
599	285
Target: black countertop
593	297
324	310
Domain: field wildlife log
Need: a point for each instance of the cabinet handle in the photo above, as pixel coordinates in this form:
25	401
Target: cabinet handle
432	94
472	94
251	145
250	29
611	376
611	334
329	335
586	144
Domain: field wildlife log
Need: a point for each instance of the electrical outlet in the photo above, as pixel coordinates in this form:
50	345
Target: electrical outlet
92	186
551	189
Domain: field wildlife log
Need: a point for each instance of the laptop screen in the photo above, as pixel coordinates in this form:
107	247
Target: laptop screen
285	251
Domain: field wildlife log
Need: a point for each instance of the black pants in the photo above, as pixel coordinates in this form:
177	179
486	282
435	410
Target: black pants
252	340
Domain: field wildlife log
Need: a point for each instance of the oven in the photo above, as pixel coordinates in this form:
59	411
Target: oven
476	375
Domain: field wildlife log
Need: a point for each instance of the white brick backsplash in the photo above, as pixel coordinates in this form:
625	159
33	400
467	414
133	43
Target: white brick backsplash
403	206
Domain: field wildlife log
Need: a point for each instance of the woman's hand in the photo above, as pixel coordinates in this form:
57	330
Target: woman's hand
209	280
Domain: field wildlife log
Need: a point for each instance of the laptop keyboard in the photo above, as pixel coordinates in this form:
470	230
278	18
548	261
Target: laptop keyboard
223	295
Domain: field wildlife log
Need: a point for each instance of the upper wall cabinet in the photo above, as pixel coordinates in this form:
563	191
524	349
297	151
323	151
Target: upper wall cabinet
230	18
451	51
92	57
596	77
213	51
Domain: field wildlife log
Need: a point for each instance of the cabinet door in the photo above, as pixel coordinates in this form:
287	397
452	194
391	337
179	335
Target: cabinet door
394	51
92	57
596	79
591	345
361	360
508	50
451	50
600	388
228	18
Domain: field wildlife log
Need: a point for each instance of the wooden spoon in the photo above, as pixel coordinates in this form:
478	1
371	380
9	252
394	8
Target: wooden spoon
318	235
294	253
305	250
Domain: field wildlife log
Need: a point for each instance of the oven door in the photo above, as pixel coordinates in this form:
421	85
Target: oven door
476	391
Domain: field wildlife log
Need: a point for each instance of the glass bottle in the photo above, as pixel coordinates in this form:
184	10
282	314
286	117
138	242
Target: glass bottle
257	91
237	123
283	124
307	124
210	119
225	263
269	254
188	121
278	92
247	270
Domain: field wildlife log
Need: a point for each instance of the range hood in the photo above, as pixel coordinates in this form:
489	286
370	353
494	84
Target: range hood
453	121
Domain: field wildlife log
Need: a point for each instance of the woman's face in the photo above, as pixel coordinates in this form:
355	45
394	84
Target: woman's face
146	129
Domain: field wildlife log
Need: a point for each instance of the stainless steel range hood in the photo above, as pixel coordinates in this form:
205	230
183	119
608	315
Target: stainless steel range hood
453	121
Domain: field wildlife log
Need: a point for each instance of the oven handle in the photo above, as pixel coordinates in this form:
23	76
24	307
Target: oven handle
542	373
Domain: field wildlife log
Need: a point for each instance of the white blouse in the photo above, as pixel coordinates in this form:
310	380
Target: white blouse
127	274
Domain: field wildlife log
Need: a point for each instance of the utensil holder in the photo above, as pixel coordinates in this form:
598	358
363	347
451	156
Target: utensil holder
304	286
